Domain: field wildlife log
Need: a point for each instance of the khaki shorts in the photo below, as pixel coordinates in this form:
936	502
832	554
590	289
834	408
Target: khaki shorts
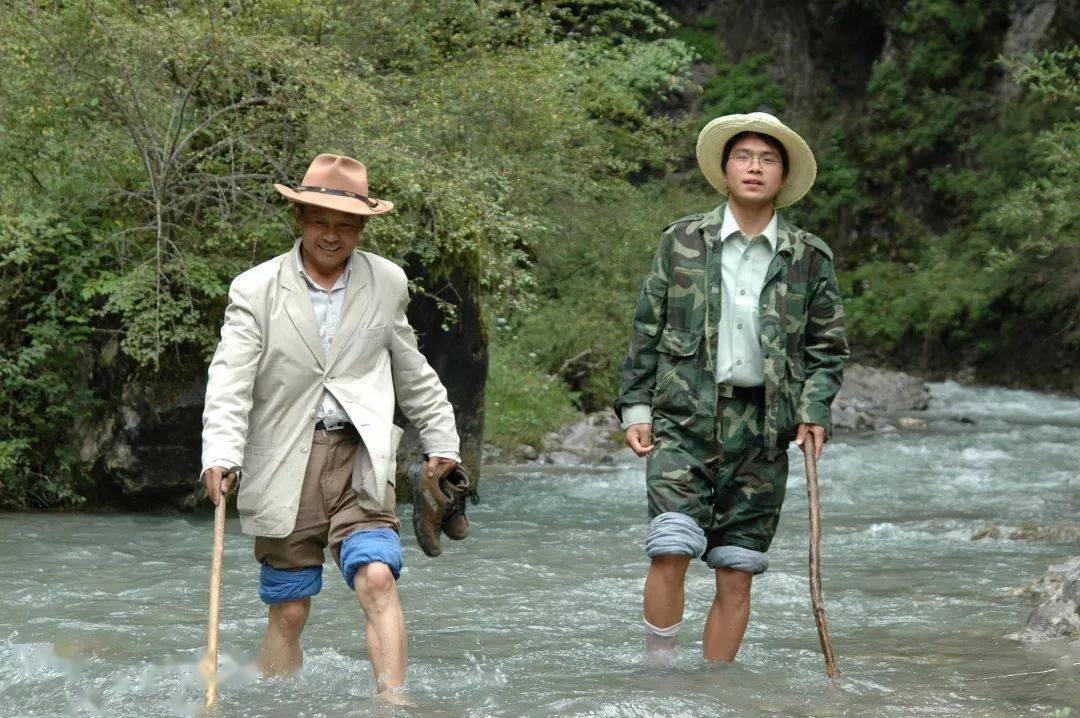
328	510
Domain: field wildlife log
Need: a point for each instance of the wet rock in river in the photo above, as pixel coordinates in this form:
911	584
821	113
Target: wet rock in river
882	391
1028	532
869	395
563	458
1058	615
526	453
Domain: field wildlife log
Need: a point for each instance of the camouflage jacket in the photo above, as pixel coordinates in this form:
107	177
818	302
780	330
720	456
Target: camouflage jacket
670	364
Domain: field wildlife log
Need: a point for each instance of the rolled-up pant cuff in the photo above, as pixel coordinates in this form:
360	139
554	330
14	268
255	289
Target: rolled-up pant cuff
674	534
737	558
277	585
368	546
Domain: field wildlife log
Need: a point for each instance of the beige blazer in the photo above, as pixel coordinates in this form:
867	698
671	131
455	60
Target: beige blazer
268	375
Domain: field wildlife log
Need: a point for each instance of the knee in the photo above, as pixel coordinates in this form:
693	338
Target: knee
670	567
733	585
289	617
374	581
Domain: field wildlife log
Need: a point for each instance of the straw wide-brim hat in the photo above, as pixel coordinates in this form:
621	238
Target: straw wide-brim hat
802	168
336	182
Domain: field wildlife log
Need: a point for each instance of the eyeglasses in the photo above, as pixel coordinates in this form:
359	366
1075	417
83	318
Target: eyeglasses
743	159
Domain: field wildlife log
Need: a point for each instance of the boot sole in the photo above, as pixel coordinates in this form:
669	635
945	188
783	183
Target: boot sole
418	510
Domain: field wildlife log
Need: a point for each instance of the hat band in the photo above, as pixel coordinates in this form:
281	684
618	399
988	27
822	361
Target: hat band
339	192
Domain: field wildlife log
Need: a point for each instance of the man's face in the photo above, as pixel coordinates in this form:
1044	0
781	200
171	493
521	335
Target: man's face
755	172
327	236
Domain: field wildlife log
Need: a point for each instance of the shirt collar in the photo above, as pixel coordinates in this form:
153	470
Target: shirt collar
341	280
731	226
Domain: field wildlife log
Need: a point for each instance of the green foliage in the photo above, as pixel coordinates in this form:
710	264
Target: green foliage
745	86
540	146
522	402
149	135
611	18
44	390
589	275
1020	252
927	99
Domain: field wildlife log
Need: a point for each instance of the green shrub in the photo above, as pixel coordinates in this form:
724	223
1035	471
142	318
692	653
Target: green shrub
522	402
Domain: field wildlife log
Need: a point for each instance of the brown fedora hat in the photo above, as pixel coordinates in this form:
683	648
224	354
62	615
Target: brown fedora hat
336	182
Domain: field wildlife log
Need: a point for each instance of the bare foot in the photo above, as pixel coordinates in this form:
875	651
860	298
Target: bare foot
396	697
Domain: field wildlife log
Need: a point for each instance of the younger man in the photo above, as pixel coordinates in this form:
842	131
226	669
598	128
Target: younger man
737	348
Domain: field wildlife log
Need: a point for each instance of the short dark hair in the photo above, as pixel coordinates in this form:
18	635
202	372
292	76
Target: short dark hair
767	139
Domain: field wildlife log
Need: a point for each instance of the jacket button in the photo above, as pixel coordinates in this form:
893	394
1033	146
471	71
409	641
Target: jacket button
303	449
313	414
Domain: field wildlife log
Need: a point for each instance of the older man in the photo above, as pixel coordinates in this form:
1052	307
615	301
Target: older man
315	353
737	348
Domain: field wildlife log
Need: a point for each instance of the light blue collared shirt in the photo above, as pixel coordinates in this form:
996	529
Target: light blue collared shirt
327	304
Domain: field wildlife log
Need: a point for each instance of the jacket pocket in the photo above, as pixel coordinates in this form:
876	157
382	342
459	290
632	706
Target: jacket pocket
676	371
790	394
686	299
679	342
795	323
255	478
796	370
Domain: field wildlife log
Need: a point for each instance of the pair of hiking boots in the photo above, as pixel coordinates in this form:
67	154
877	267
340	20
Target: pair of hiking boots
439	505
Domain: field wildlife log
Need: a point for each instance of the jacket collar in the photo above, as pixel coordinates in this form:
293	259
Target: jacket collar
713	224
730	226
298	302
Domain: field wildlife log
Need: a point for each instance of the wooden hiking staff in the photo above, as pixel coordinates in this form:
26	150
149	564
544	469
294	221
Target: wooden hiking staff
815	558
209	664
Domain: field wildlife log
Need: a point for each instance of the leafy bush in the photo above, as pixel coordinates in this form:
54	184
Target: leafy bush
522	402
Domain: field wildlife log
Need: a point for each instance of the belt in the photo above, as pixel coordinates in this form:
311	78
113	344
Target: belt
724	390
336	427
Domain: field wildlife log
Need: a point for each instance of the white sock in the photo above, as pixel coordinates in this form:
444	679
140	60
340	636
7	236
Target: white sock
660	643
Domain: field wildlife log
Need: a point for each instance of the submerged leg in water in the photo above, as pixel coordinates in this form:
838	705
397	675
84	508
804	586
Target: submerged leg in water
376	590
728	615
664	601
280	654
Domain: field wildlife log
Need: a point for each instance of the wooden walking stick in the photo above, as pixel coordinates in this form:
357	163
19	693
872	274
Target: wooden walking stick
815	558
209	663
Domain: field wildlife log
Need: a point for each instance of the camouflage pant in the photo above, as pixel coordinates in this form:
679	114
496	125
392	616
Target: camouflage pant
729	488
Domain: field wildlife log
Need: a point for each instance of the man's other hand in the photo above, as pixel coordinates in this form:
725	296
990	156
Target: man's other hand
218	482
819	438
439	466
639	438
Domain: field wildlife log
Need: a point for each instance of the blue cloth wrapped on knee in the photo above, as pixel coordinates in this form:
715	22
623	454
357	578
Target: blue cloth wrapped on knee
368	546
674	534
737	558
277	585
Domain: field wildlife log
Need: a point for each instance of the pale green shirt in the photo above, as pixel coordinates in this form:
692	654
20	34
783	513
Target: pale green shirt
743	264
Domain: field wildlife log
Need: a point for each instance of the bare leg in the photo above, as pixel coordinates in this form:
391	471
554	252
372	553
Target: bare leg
728	616
376	590
280	654
664	590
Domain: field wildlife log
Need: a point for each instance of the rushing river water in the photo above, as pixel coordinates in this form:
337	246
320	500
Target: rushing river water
539	612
